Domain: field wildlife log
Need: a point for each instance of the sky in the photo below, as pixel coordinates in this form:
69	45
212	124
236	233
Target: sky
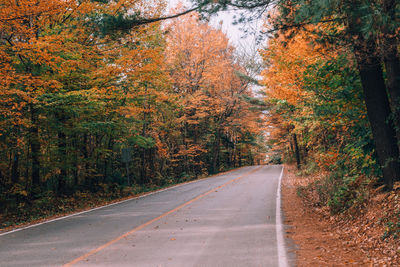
236	36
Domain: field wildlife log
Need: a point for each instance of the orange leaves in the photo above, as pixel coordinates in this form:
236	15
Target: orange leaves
68	74
327	159
49	47
287	60
196	54
203	73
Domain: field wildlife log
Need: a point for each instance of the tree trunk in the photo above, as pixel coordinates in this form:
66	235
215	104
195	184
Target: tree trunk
291	147
392	63
234	154
76	162
62	145
143	174
109	159
239	157
14	168
35	146
379	112
62	153
152	165
85	152
215	160
296	151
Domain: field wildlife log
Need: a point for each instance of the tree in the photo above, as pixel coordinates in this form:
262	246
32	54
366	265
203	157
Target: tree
214	97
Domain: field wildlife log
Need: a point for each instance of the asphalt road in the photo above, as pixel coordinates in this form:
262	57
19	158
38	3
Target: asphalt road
227	220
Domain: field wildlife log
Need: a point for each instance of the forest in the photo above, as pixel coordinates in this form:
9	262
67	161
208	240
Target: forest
83	81
80	84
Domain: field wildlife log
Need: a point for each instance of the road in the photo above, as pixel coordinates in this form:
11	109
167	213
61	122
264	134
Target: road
228	220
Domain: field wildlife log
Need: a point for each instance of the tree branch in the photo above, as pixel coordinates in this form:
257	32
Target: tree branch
151	20
285	27
251	6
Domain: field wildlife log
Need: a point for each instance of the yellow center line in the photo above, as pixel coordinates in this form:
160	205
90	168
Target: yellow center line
94	251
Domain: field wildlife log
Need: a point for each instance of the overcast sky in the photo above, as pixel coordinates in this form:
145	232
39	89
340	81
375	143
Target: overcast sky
237	37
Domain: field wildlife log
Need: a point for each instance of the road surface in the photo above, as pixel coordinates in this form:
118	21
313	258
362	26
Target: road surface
227	220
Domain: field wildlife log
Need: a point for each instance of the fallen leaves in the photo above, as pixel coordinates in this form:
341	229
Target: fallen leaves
326	240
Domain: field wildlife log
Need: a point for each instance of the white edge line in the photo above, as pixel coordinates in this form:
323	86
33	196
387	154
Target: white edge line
282	259
106	206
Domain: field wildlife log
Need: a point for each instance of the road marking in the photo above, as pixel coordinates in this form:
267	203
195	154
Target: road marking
115	203
94	251
282	259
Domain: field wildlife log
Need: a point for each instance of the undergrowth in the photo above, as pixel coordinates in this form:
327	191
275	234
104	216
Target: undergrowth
335	190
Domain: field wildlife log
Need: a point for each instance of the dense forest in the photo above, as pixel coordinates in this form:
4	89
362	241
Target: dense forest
83	81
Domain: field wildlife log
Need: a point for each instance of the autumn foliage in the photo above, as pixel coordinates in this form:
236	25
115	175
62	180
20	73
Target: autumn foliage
318	113
78	86
216	113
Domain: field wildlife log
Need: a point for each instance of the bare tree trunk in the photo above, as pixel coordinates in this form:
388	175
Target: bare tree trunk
62	145
392	63
143	174
296	151
62	153
14	168
76	159
215	159
379	112
85	164
35	146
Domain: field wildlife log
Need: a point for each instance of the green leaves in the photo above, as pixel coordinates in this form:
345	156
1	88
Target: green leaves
142	141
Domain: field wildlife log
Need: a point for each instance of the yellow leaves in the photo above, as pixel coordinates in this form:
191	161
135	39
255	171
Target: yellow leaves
18	189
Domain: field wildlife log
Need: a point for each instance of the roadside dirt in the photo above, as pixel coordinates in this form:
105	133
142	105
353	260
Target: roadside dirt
345	240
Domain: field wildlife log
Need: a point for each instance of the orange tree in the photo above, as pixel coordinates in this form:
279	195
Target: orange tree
218	124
